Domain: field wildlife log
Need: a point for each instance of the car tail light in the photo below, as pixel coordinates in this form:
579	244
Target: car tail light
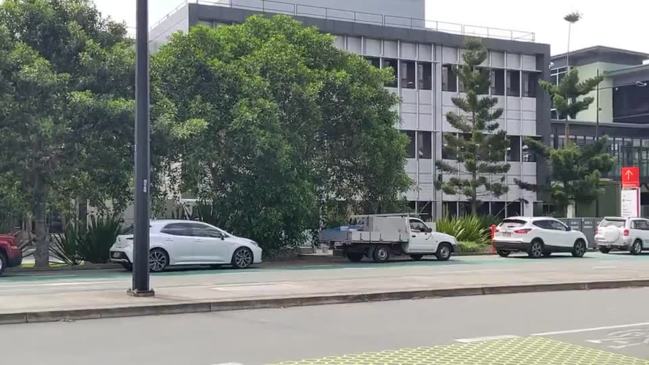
13	243
596	230
626	232
522	230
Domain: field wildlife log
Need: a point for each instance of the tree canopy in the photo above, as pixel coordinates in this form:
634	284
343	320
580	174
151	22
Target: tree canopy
66	84
266	122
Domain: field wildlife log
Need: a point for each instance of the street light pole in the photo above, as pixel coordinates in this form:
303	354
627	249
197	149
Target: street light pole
597	111
140	286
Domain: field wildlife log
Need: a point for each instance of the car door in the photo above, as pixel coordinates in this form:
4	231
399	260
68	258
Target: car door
421	239
547	233
211	244
642	227
564	237
178	240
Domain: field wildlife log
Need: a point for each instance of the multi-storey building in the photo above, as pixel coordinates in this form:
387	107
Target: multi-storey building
620	111
422	54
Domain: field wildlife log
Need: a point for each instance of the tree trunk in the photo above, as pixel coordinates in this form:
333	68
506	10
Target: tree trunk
474	207
41	254
566	132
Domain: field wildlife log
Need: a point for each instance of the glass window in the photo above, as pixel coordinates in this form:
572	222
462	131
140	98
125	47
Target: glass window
424	75
530	81
202	230
449	78
448	153
408	74
178	229
374	61
424	149
410	149
512	223
513	209
543	224
527	154
418	226
514	149
449	209
557	226
392	64
513	83
497	82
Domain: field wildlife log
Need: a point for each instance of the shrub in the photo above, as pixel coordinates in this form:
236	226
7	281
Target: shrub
465	229
65	247
471	247
95	240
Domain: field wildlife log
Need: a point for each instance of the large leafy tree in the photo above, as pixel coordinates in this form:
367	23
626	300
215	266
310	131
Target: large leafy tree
266	122
479	147
66	84
575	170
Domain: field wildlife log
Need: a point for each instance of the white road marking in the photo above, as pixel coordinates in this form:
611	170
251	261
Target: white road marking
229	363
485	338
590	329
604	267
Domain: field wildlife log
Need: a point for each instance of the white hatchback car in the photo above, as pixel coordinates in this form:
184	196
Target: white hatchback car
538	236
178	242
628	234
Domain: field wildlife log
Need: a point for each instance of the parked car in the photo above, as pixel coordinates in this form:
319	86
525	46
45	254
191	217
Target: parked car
10	253
380	236
538	236
628	234
178	242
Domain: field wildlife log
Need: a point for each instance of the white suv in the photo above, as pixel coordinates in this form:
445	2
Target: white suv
538	236
628	234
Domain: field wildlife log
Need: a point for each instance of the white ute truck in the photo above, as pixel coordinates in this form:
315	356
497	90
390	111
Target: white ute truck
381	236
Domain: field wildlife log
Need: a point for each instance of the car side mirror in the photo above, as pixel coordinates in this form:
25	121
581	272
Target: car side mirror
568	228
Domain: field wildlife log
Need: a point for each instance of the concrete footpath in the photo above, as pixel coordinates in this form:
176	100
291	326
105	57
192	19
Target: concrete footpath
92	295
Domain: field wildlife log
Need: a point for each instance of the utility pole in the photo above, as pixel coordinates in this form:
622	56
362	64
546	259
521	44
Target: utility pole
141	283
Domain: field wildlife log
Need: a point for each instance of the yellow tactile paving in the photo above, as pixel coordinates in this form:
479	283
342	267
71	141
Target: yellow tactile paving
517	351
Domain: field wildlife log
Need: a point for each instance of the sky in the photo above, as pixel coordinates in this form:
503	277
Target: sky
619	23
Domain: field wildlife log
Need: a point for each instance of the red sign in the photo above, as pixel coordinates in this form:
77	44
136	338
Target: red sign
630	177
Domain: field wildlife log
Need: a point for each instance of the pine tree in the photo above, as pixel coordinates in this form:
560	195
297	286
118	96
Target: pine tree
480	147
575	170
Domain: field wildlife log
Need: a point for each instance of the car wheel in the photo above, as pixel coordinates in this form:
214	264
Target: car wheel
547	253
416	257
503	253
3	263
242	258
636	248
127	266
381	254
536	249
604	249
444	252
158	260
355	256
579	249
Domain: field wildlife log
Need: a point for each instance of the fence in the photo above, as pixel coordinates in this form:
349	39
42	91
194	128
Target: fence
294	9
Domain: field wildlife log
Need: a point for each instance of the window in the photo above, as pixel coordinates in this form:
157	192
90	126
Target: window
513	83
178	229
408	74
497	82
449	78
642	224
513	223
530	80
390	63
557	226
543	224
424	76
202	230
418	226
424	150
514	149
448	153
484	72
410	149
527	154
374	61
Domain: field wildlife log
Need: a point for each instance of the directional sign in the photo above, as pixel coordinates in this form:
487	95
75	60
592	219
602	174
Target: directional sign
630	177
630	202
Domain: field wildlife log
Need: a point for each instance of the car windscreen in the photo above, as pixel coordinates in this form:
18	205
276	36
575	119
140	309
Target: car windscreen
512	223
619	223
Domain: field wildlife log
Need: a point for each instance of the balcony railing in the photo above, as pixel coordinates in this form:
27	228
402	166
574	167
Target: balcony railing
280	7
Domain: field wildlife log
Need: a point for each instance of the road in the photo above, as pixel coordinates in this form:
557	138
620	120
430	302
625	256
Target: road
584	327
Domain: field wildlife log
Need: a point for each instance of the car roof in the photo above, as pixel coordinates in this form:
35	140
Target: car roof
531	219
163	222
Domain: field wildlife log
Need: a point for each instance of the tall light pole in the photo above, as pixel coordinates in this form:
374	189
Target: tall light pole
571	18
141	285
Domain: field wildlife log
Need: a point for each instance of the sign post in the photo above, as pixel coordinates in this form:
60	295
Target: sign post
630	194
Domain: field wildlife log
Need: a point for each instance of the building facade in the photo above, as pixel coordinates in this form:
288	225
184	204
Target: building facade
422	55
620	111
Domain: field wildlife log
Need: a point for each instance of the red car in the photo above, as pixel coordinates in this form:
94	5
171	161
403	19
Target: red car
10	253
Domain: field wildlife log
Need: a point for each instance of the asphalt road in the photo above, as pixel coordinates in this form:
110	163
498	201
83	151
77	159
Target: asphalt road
586	327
